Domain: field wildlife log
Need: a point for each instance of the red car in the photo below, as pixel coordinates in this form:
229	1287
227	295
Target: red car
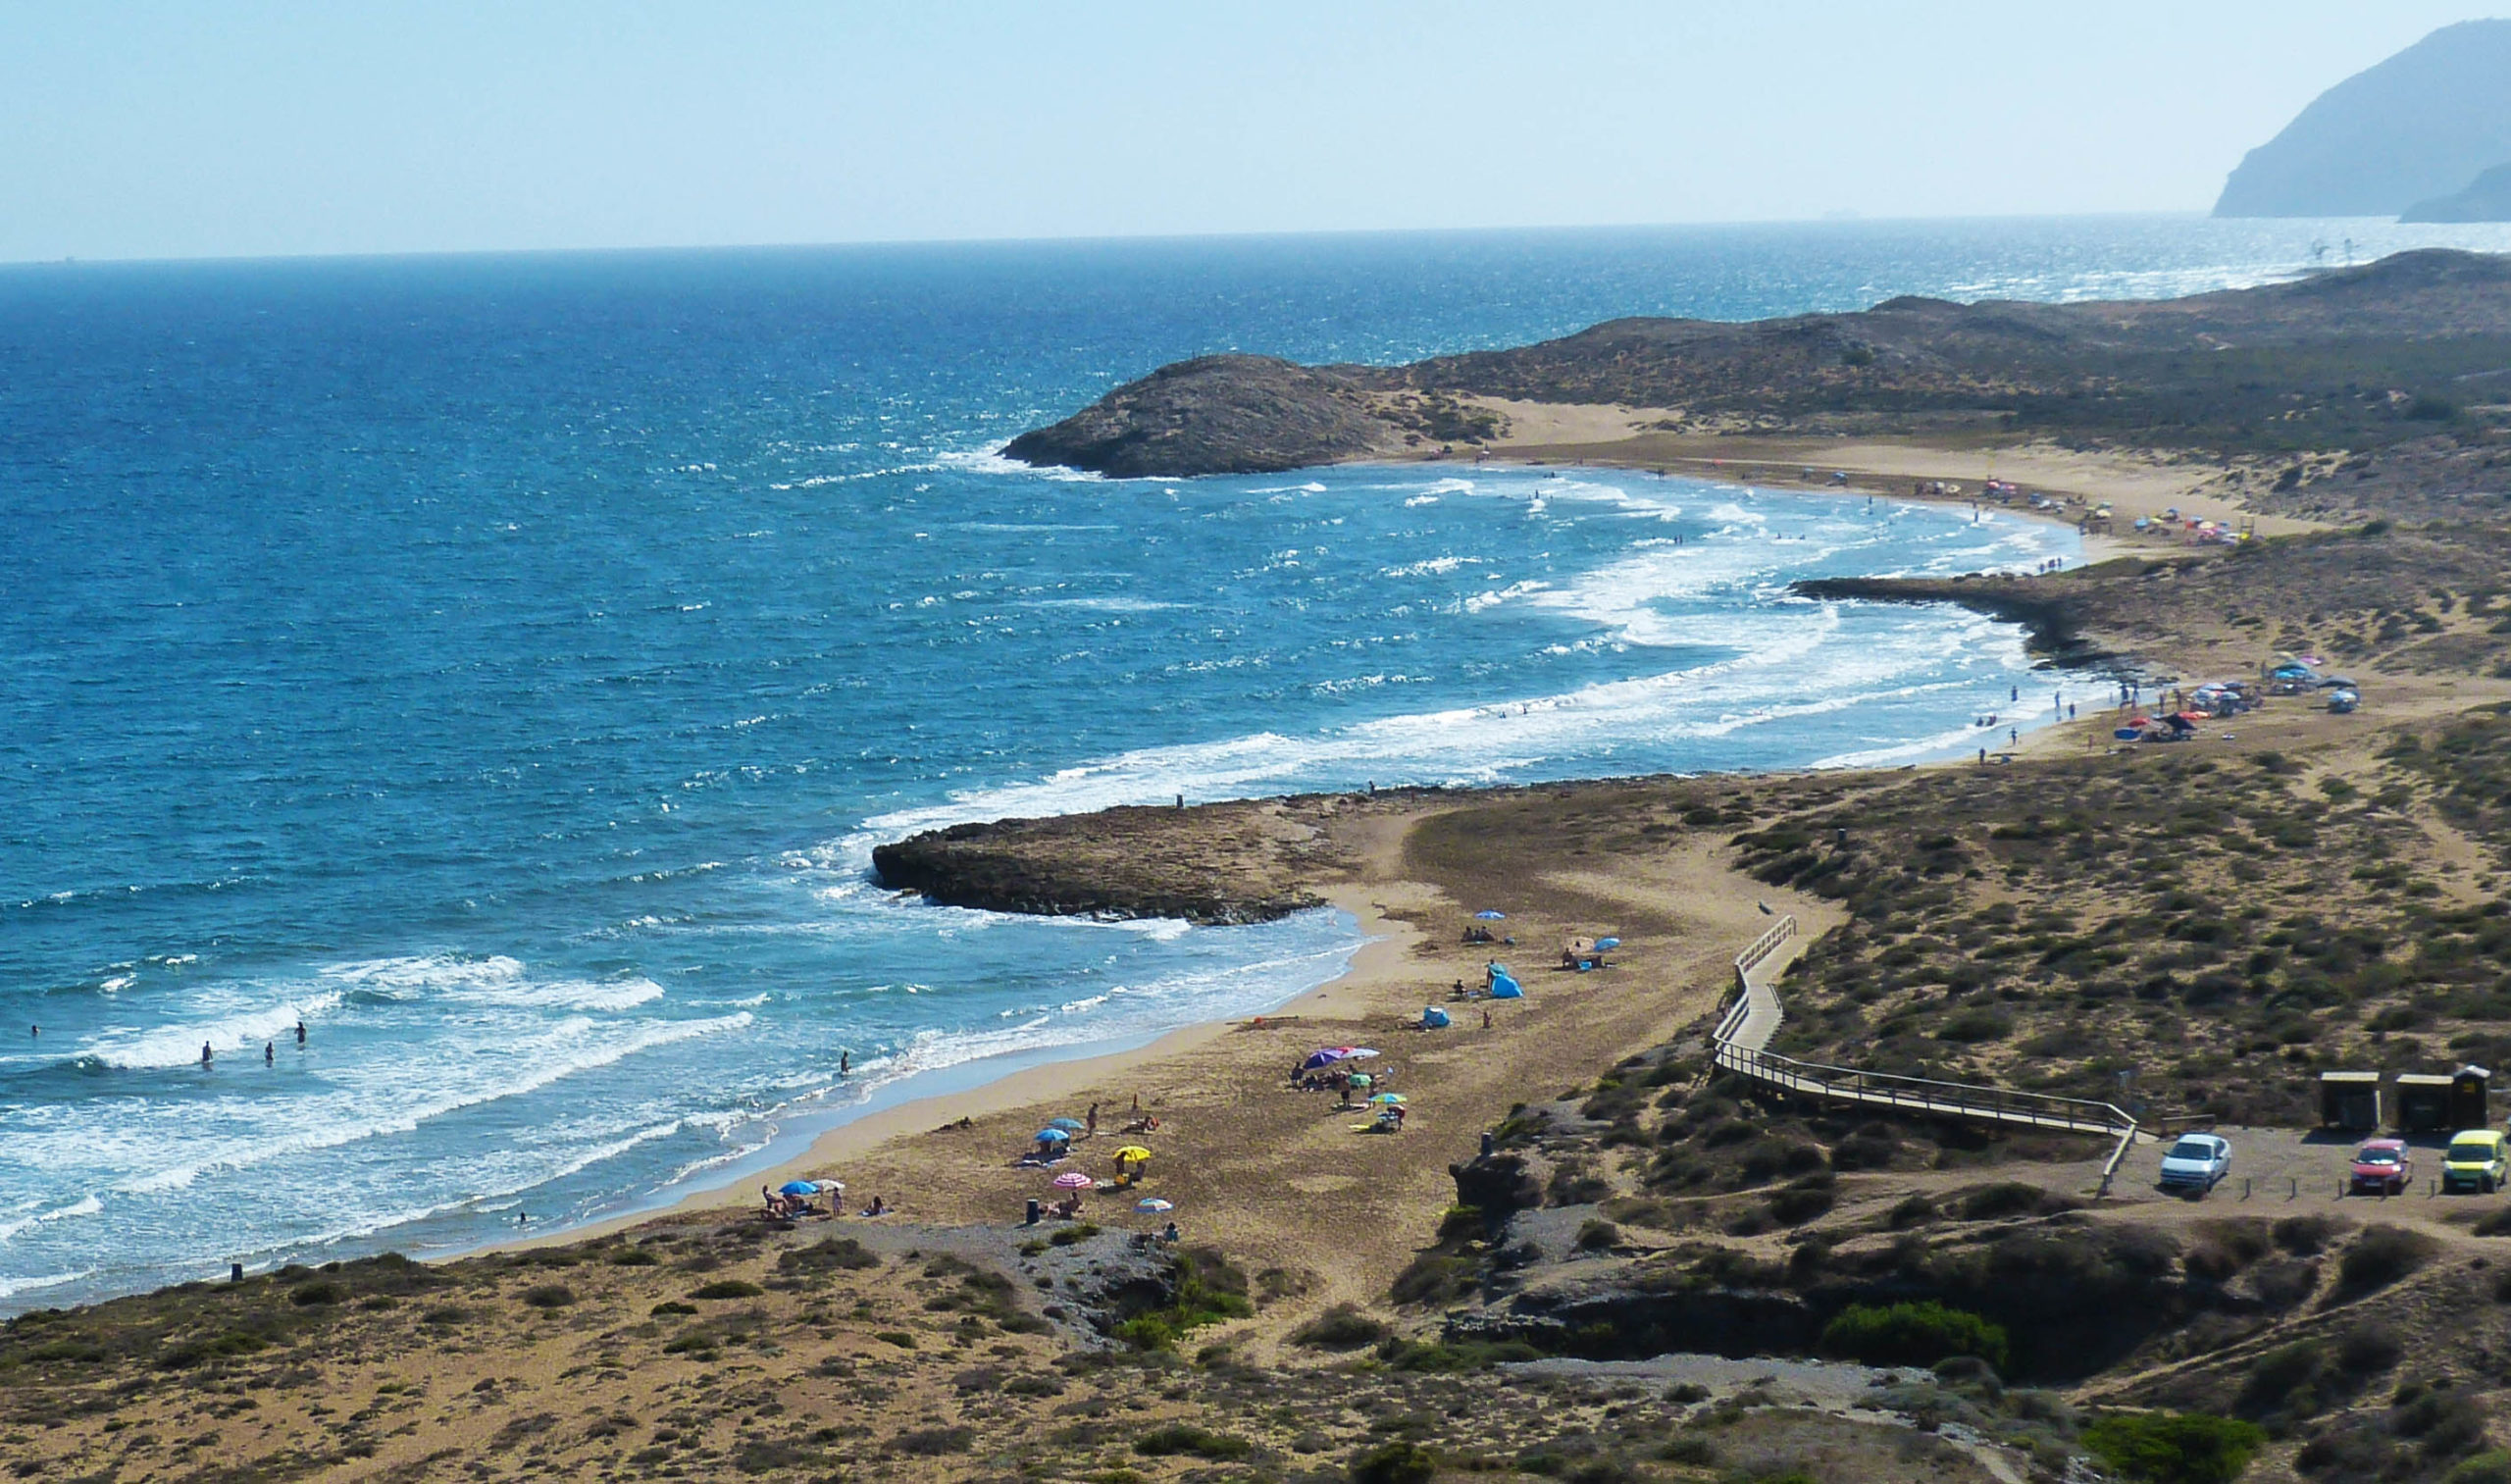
2383	1165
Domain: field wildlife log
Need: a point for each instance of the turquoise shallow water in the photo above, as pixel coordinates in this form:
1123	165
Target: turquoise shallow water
506	665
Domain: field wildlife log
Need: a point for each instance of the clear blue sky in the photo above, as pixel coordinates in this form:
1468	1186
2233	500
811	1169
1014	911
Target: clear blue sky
229	127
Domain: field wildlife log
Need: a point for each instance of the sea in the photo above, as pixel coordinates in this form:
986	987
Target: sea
503	666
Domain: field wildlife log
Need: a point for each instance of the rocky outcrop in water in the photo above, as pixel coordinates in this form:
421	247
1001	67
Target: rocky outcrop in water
1219	414
1234	862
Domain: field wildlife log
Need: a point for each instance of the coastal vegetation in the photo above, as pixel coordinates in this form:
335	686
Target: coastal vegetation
1654	1269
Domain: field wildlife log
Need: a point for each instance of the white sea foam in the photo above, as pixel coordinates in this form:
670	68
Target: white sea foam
13	1286
31	1213
224	1018
1437	566
398	1098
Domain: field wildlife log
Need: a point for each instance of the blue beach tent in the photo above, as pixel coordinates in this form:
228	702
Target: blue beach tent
1504	987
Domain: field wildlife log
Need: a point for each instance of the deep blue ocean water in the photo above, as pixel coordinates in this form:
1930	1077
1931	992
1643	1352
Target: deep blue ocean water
505	665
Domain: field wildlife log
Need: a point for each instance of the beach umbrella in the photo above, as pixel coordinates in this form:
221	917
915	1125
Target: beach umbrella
1388	1098
1073	1180
1487	915
1324	1057
830	1185
1602	944
1074	1125
1054	1135
798	1187
1359	1051
1154	1205
1132	1151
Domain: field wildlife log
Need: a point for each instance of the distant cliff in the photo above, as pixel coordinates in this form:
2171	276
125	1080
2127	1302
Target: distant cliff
2337	360
2488	199
2416	127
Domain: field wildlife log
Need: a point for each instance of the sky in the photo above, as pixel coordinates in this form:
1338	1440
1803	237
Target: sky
233	128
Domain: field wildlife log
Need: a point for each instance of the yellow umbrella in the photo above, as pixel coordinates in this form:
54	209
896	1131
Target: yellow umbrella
1132	1151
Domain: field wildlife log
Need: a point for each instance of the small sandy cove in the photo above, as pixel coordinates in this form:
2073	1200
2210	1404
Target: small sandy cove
1284	1179
1638	438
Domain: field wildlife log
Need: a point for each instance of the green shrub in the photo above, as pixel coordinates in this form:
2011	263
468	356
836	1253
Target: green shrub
632	1257
827	1256
1397	1463
1341	1327
1185	1438
549	1296
1440	1356
729	1288
1912	1334
932	1442
2492	1468
2159	1448
311	1294
670	1306
1433	1278
2381	1256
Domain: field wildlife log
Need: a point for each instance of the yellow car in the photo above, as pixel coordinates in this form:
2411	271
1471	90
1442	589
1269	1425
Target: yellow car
2475	1161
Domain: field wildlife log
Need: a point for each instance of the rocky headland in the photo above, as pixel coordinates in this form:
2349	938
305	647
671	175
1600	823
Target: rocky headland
2363	358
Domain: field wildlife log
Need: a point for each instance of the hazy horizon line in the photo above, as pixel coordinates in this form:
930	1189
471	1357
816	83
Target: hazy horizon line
1843	220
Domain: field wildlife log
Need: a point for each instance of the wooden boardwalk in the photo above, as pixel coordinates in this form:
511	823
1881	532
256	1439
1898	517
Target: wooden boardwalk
1740	1042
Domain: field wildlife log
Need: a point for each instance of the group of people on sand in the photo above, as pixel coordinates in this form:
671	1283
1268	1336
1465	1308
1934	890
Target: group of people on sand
794	1207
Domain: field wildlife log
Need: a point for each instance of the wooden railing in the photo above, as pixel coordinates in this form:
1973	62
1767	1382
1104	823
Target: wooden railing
1739	1045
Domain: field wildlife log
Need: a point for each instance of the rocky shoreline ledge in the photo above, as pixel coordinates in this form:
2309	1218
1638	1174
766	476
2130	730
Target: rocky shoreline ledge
1241	861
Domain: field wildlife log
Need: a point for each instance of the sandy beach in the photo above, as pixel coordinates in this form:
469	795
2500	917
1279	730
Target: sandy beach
1286	1180
2132	483
1263	1170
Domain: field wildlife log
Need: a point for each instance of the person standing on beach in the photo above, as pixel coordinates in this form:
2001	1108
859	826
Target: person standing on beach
1091	1129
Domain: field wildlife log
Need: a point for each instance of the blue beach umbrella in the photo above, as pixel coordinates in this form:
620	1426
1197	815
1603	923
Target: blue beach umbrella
1487	915
1054	1135
1603	944
1066	1123
798	1187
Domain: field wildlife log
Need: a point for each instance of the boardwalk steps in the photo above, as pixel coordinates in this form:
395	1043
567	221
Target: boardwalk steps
1743	1033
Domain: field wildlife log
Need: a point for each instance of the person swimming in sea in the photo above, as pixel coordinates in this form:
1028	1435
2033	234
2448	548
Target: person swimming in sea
204	1054
270	1052
300	1033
